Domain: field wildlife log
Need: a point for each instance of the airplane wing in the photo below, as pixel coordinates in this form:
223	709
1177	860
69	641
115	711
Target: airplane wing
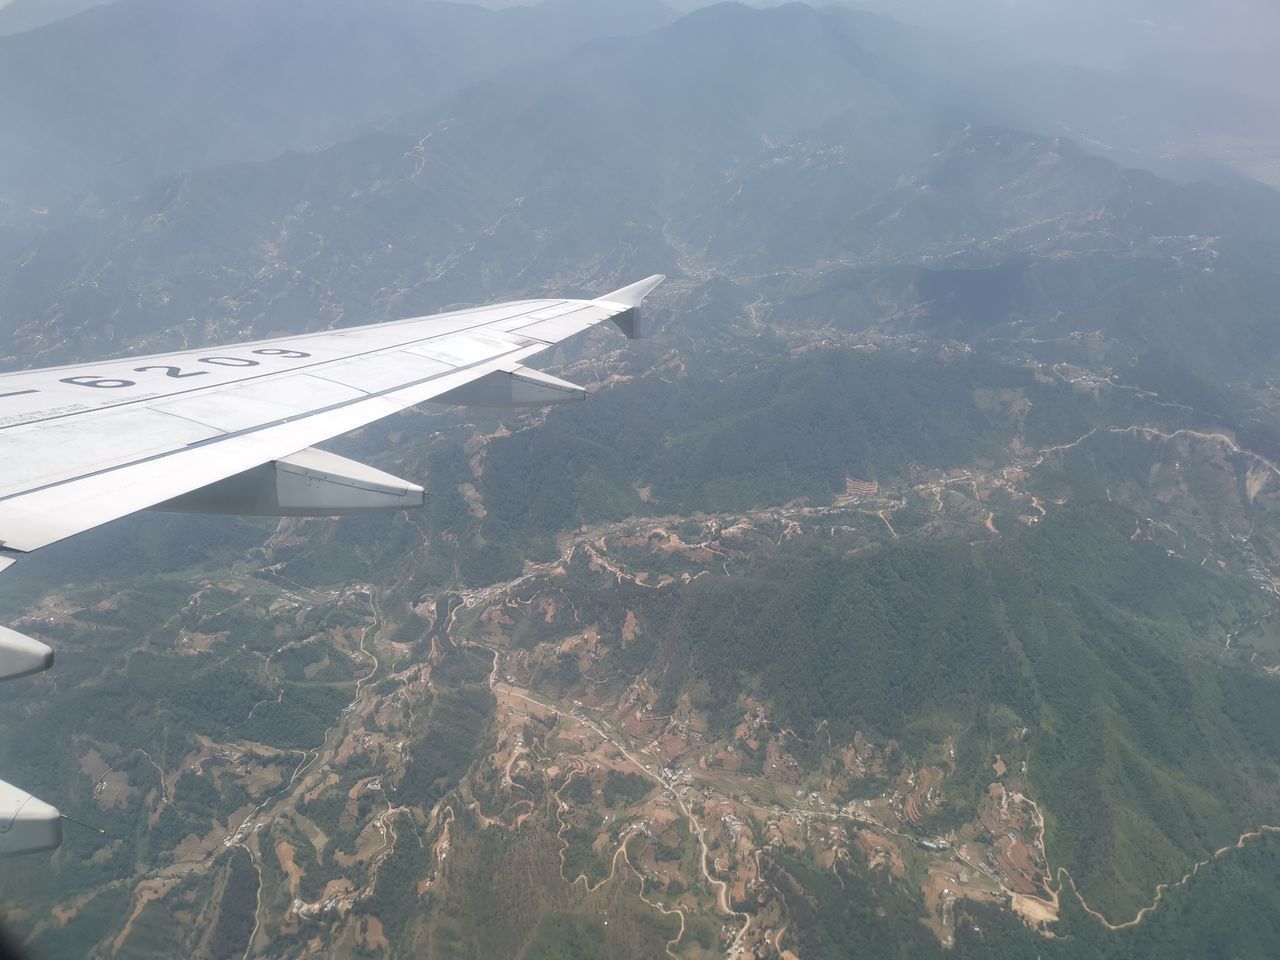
230	430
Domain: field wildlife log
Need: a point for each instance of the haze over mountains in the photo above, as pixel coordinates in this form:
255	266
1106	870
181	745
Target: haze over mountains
814	138
129	90
18	16
934	536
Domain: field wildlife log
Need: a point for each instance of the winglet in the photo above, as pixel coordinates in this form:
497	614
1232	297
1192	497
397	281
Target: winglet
632	295
630	321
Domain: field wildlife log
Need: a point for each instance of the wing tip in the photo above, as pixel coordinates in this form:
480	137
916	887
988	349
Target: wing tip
632	294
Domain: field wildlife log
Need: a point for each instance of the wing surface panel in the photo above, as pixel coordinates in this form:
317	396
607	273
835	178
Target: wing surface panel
250	405
96	442
556	325
382	371
37	395
36	454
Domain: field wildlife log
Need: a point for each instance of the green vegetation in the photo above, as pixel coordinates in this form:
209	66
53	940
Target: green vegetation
794	428
157	933
455	728
300	717
849	914
1147	749
395	899
580	859
78	936
625	788
562	936
1231	908
236	910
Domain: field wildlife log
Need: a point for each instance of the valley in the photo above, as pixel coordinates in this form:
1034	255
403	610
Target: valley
612	773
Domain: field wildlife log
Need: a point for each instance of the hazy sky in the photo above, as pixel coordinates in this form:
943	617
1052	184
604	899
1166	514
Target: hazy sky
1231	43
1236	39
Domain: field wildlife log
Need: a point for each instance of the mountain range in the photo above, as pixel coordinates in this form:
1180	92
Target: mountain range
911	590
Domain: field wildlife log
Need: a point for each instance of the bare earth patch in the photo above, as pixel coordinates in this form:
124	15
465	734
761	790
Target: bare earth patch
284	854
